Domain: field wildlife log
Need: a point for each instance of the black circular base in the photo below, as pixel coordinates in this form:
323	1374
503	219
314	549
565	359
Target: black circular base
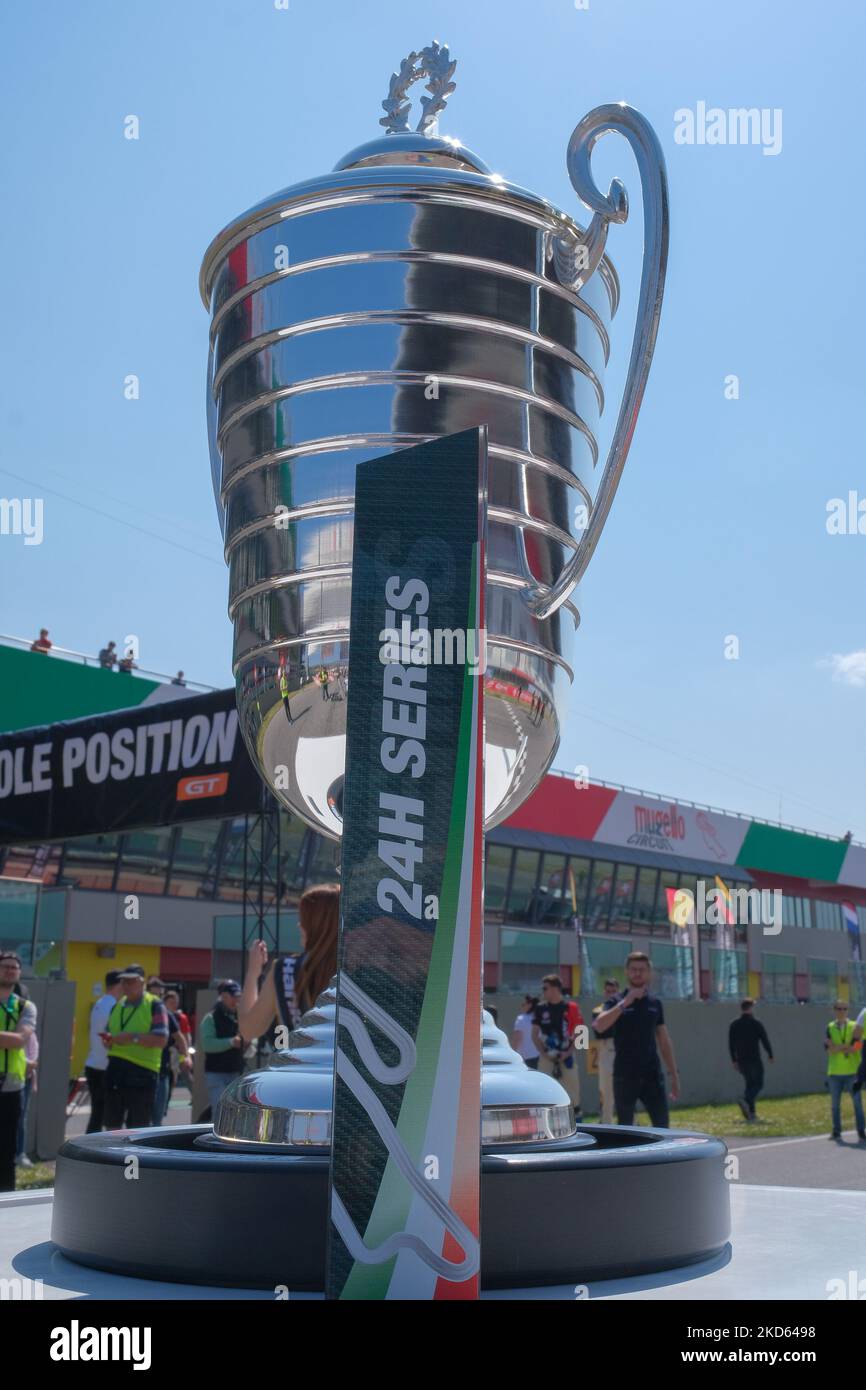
632	1201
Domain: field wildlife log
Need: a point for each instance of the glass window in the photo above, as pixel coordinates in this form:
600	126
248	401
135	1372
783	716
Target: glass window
645	899
602	958
578	883
295	850
823	981
324	862
231	879
50	924
828	916
18	918
668	883
194	858
144	860
554	901
496	881
623	898
857	983
90	861
521	899
525	956
729	976
598	901
777	978
673	969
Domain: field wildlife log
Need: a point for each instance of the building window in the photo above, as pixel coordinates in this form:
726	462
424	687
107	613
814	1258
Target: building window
857	983
91	861
777	978
673	970
18	903
623	898
645	900
496	877
828	916
144	861
194	857
796	912
598	902
578	882
554	900
524	881
668	882
602	958
525	956
823	981
729	973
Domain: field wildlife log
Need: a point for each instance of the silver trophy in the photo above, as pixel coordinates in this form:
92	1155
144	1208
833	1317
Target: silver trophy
410	294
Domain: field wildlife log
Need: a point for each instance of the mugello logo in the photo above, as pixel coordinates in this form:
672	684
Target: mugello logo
193	788
652	821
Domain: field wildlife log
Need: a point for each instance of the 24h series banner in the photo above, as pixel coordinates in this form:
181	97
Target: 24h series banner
405	1168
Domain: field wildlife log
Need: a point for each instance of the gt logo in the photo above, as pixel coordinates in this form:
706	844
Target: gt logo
193	787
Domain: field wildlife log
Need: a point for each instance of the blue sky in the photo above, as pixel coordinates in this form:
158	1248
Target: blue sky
719	525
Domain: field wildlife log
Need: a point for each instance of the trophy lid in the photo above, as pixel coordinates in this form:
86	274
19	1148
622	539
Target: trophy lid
413	147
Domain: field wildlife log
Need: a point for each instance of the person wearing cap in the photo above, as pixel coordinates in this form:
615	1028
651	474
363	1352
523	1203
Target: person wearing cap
222	1043
96	1062
17	1025
136	1033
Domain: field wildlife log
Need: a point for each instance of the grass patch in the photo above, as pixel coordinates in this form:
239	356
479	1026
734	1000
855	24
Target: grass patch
40	1175
782	1117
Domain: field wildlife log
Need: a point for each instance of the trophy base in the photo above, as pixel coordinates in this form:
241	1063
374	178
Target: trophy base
608	1202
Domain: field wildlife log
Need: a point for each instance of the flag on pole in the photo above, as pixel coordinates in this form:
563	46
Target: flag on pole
852	924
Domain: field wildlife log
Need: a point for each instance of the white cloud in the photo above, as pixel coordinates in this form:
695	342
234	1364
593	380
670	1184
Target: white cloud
849	668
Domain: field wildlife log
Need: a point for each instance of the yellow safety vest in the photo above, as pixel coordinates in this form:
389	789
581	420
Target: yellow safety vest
838	1064
14	1058
121	1020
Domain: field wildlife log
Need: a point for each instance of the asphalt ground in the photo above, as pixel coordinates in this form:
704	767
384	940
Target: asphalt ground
813	1161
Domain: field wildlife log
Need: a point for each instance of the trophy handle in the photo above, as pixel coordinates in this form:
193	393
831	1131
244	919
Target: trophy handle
608	208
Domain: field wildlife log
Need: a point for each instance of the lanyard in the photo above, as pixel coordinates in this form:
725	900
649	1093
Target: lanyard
11	1014
124	1019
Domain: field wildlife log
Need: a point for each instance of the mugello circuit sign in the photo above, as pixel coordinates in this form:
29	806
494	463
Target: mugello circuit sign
666	828
567	808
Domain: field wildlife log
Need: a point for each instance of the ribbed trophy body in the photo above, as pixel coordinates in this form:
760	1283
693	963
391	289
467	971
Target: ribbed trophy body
407	295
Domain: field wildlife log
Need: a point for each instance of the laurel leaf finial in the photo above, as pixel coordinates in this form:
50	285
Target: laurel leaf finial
436	64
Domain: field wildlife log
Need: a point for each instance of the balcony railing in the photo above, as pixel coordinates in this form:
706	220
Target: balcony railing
88	659
703	806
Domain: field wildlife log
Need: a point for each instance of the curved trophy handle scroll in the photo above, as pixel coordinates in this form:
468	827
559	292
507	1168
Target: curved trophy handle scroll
607	208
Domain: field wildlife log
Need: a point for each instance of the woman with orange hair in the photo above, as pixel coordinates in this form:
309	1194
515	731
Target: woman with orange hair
293	983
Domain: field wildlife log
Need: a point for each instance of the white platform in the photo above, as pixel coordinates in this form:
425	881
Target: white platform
788	1242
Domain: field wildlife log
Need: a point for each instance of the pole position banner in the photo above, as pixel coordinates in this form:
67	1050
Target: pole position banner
406	1151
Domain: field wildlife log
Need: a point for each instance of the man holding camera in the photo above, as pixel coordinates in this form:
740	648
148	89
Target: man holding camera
554	1024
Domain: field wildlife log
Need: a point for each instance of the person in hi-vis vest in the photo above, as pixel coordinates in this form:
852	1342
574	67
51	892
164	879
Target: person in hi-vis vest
17	1023
843	1047
136	1033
